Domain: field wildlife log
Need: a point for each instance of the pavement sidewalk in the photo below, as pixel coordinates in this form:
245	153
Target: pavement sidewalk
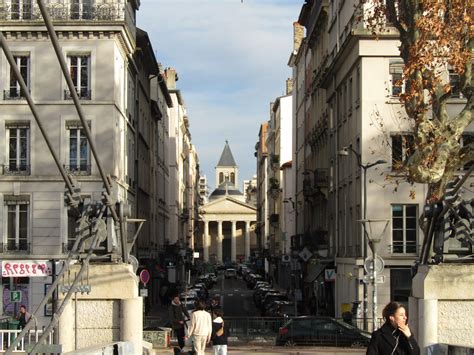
258	350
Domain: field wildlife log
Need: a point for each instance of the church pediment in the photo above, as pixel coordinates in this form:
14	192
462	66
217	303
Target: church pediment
228	205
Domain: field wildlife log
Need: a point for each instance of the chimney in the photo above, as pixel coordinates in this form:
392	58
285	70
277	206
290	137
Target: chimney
289	86
298	35
171	78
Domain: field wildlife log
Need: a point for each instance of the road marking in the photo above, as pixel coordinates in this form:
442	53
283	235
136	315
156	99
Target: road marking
230	294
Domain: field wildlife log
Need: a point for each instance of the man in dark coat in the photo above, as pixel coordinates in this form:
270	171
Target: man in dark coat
178	315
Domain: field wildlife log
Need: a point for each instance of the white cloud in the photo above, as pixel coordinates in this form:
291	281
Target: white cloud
231	59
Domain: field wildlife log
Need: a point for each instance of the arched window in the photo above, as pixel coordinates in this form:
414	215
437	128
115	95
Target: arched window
221	178
232	178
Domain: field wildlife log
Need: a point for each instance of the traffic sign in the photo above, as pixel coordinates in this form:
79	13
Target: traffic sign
368	279
379	264
145	276
15	296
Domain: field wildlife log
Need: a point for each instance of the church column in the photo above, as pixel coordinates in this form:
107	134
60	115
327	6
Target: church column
205	241
247	240
219	241
233	252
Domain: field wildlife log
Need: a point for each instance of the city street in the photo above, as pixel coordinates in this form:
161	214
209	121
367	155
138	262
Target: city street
235	298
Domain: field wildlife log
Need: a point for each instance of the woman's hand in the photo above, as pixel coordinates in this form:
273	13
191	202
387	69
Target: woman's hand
405	330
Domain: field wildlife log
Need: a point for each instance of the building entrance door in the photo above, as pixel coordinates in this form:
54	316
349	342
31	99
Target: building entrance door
226	250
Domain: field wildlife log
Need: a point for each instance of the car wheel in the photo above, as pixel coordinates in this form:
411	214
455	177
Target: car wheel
290	342
357	344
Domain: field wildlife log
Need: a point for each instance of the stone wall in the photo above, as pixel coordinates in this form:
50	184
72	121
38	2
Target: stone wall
111	312
442	306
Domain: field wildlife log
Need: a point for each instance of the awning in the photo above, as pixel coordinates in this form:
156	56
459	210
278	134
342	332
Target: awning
313	271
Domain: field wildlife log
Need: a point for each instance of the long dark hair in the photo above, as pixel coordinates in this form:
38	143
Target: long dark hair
390	309
200	305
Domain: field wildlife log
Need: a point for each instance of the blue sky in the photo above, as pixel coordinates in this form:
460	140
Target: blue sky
231	58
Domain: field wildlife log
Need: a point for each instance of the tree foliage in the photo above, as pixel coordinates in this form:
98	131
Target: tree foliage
435	36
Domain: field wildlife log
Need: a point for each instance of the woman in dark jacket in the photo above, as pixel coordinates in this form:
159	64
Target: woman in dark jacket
394	337
220	333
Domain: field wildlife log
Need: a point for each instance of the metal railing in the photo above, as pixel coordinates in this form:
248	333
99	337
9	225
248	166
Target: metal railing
265	329
83	94
65	11
78	169
7	336
17	169
13	94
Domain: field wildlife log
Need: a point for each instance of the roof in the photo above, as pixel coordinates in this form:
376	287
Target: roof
227	159
225	189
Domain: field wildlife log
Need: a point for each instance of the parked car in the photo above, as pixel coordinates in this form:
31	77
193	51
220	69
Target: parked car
321	331
281	309
269	299
230	274
259	295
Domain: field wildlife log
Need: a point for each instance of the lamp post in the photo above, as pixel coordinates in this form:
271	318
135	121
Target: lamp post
345	152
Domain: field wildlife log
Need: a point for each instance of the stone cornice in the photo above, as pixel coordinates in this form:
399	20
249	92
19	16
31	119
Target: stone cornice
91	34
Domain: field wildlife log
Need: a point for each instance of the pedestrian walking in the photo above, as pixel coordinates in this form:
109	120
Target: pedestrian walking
220	333
23	316
201	328
178	315
394	337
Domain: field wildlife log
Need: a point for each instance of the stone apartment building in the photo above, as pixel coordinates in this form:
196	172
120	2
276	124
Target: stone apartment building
343	78
130	112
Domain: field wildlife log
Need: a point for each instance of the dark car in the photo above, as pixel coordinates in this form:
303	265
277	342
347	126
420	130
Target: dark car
269	299
321	331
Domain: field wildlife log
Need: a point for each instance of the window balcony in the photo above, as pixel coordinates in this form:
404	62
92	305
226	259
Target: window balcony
78	170
84	94
60	10
17	170
13	94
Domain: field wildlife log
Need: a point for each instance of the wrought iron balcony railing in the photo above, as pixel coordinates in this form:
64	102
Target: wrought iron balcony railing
79	169
84	94
64	10
13	94
16	169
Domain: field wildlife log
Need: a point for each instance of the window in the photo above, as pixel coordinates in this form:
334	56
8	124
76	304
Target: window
18	136
400	285
21	9
396	77
221	178
17	222
79	69
232	178
81	9
454	82
14	92
402	147
404	229
79	154
357	87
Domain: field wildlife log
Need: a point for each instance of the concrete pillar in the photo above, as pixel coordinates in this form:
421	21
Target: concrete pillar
132	315
233	252
428	316
66	328
219	241
247	240
205	241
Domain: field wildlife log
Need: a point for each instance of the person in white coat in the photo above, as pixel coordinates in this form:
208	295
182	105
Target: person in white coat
201	328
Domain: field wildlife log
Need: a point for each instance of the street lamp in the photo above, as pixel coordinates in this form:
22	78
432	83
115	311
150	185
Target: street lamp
345	152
